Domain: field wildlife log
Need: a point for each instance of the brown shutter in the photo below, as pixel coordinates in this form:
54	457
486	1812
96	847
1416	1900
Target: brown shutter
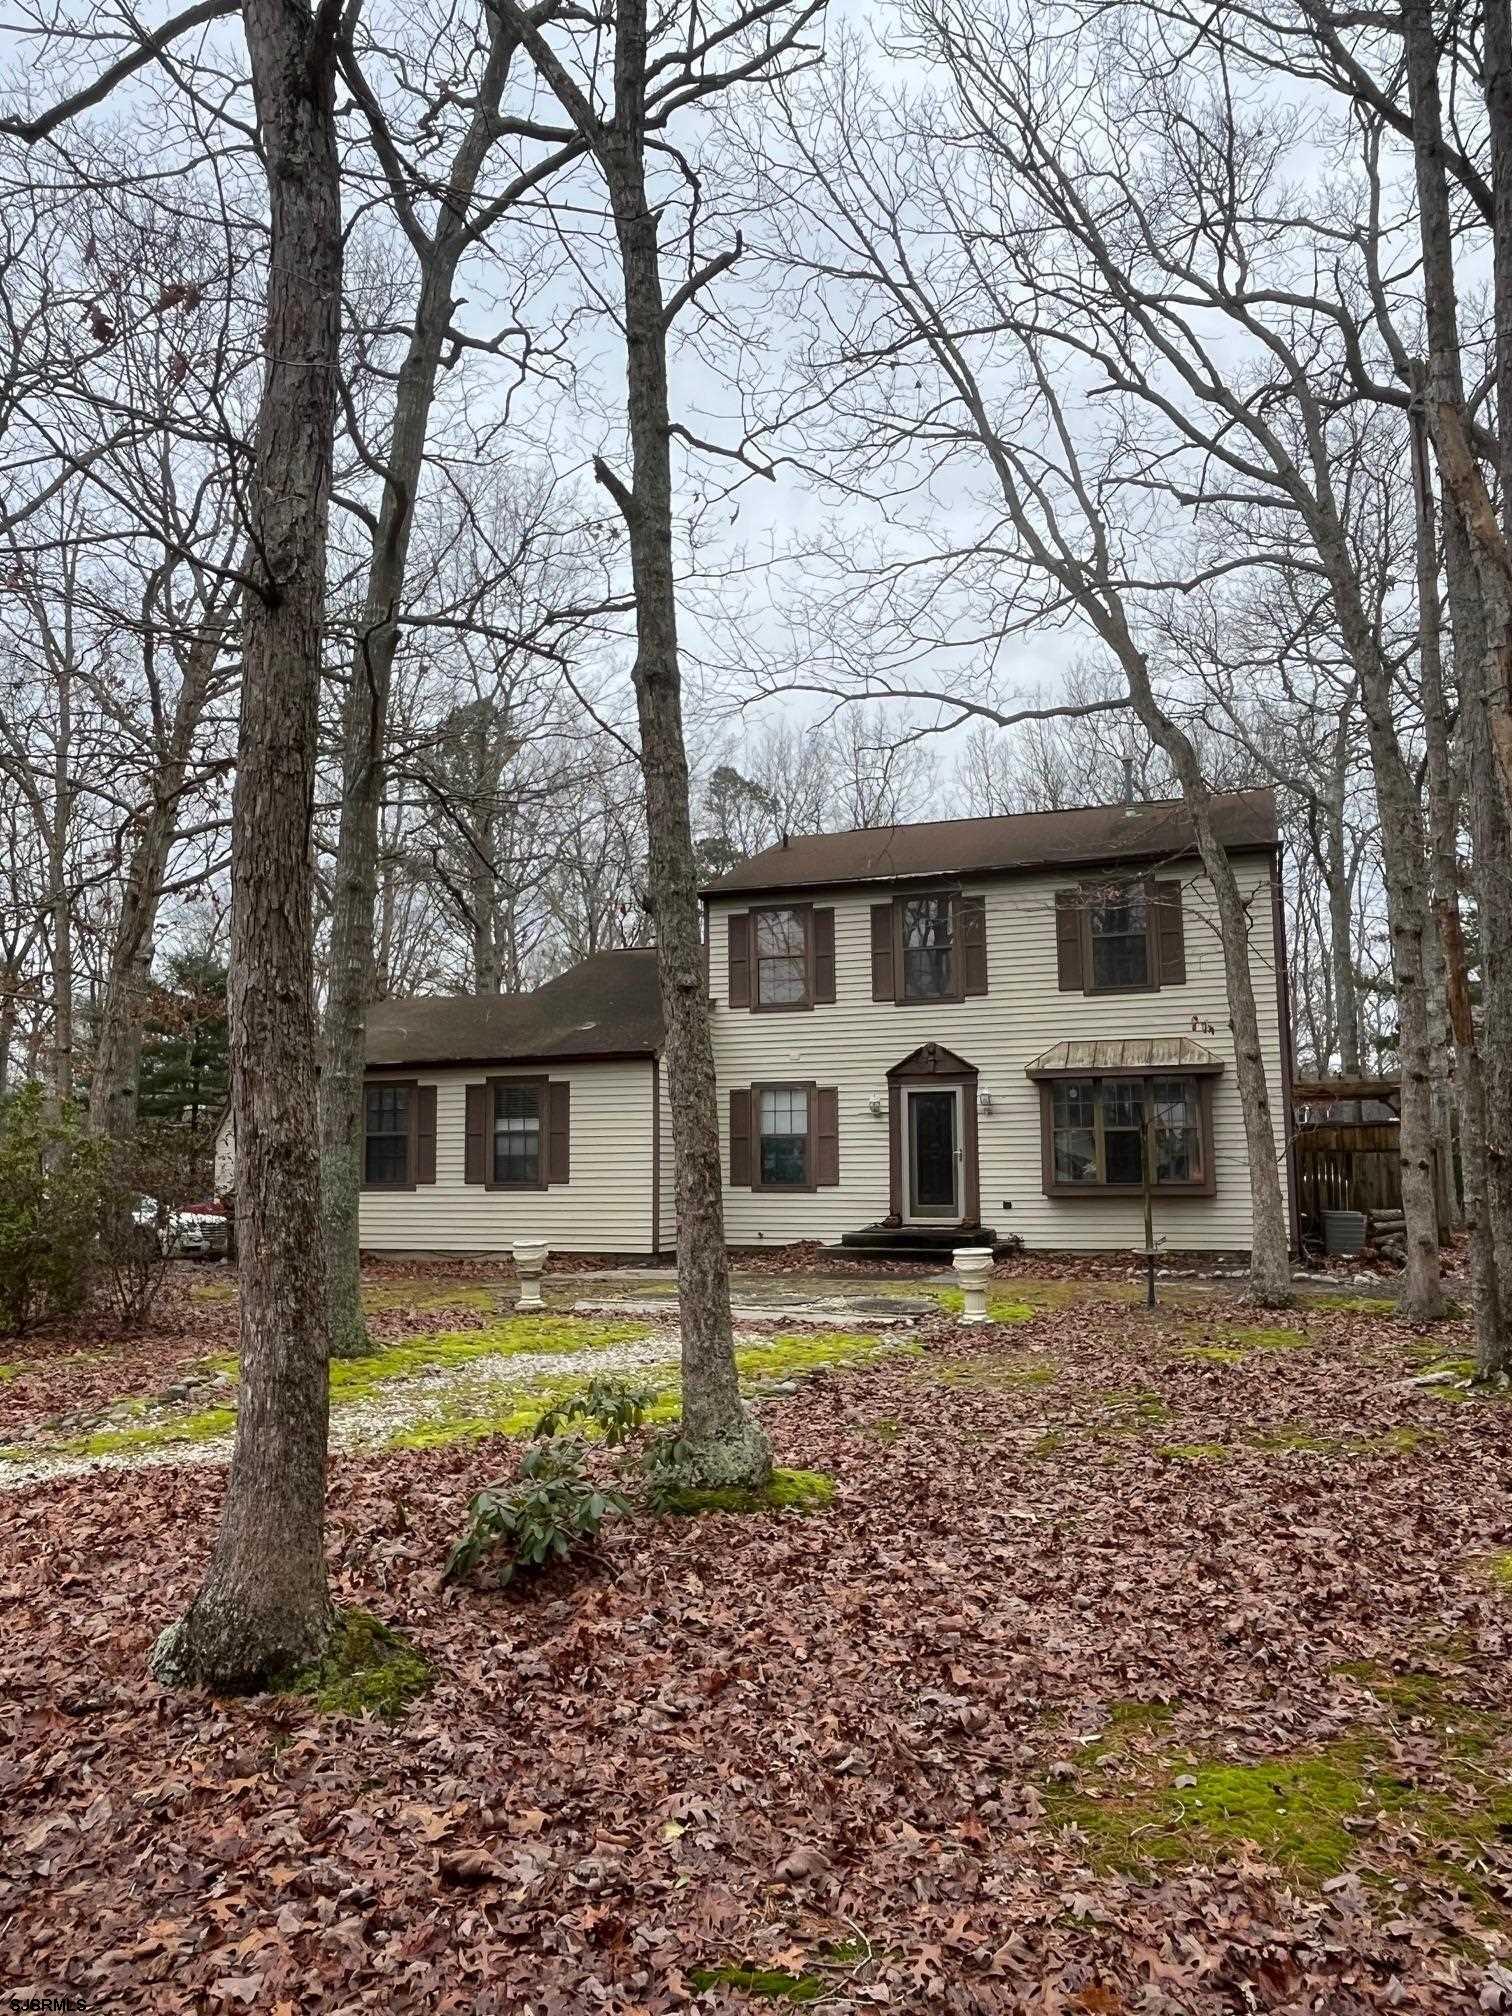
973	915
882	952
425	1133
1170	936
559	1132
475	1165
824	955
740	1139
826	1136
1068	941
740	962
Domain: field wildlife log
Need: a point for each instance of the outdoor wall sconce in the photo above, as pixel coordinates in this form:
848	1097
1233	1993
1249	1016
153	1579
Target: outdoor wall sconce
984	1100
876	1105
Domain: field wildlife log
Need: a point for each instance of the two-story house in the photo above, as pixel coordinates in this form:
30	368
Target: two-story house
963	1028
966	1024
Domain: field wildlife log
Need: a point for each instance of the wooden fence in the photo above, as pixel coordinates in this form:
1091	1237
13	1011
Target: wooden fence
1347	1166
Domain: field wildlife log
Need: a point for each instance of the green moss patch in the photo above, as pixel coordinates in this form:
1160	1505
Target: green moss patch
1003	1306
472	1412
795	1355
378	1296
130	1441
367	1669
1431	1698
212	1291
785	1491
1135	1714
1293	1809
1194	1452
1499	1568
512	1337
1309	1814
1048	1444
1275	1337
1215	1354
774	1984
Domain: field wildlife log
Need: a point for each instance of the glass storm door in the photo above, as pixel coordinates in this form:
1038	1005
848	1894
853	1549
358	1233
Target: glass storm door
934	1160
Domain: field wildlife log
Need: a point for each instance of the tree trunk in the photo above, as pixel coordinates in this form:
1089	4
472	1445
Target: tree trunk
719	1443
263	1609
1270	1240
60	896
118	1041
1443	817
1491	872
351	969
1341	945
1461	474
1407	911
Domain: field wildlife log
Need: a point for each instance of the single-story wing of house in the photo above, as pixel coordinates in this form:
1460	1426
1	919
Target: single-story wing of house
495	1117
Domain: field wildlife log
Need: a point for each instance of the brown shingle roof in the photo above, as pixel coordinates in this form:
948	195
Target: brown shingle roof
1012	844
606	1007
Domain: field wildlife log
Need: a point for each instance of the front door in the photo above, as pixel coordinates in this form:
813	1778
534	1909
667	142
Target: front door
933	1137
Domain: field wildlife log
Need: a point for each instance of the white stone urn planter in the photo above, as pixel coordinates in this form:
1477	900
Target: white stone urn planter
530	1264
973	1264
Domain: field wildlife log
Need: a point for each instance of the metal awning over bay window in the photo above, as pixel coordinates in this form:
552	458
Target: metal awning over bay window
1106	1102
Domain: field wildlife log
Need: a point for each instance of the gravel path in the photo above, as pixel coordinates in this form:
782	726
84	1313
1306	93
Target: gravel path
480	1387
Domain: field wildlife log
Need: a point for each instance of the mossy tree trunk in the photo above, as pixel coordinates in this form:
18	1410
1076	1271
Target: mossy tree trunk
263	1609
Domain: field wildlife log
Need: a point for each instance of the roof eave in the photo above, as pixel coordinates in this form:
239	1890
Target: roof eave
493	1061
1061	865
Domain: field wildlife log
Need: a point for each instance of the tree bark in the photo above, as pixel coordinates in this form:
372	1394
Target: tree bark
60	895
1402	860
719	1443
1270	1240
1443	827
1463	480
1491	874
263	1609
351	970
1341	943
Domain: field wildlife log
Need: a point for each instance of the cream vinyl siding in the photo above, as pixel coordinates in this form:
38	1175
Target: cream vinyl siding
853	1043
668	1222
605	1208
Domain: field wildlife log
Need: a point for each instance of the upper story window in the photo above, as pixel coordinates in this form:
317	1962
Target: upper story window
1118	933
387	1138
1097	1129
781	957
781	965
930	947
1120	937
927	928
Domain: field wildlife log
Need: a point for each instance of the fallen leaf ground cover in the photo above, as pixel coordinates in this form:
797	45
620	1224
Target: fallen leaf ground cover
1136	1664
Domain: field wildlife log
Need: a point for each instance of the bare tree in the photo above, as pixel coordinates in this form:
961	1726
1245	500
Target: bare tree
264	1607
439	233
621	111
954	353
